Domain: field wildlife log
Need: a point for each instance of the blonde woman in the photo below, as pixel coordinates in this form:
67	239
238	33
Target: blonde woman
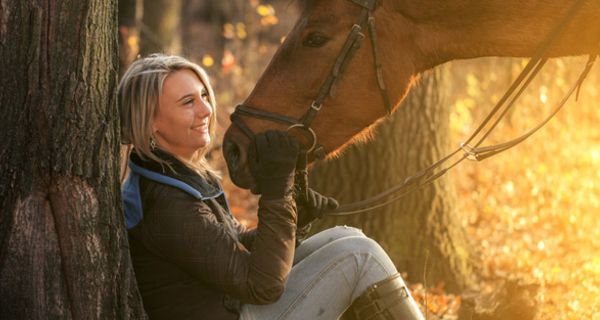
192	259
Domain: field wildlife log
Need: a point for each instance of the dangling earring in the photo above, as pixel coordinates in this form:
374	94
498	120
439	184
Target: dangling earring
153	144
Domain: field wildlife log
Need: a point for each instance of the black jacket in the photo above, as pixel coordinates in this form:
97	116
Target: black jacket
191	258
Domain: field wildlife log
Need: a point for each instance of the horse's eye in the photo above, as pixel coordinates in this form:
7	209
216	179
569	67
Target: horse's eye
315	40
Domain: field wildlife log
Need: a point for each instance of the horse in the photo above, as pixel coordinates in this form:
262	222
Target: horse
405	38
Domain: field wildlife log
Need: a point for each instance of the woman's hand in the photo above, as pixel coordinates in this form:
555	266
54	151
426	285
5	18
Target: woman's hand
272	159
314	207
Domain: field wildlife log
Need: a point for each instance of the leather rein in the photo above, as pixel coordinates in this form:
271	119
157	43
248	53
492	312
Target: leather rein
470	149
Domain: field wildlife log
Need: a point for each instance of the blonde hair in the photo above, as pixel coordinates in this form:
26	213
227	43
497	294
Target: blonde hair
138	95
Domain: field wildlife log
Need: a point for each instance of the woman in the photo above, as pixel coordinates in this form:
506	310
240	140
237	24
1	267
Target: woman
192	259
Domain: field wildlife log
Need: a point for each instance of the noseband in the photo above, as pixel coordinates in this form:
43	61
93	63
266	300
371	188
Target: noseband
352	43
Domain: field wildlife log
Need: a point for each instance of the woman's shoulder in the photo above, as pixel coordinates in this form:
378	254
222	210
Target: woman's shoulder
168	193
176	176
160	201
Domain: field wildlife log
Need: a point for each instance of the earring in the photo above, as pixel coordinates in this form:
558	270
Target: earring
153	144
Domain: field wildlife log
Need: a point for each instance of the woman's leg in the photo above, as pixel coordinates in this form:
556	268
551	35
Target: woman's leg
322	238
328	280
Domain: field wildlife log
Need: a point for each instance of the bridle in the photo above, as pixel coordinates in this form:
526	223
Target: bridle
351	44
314	150
471	149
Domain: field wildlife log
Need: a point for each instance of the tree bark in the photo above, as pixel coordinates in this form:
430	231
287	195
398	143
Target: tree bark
63	247
420	232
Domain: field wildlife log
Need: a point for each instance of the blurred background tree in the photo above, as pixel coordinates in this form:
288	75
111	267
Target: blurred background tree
160	26
422	232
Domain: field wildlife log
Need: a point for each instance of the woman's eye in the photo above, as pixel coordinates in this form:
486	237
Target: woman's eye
189	101
315	40
205	96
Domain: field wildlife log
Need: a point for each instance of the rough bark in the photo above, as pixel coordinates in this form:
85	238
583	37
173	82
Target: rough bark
421	232
63	246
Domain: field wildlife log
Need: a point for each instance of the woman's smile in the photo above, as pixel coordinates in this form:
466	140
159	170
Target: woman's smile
202	128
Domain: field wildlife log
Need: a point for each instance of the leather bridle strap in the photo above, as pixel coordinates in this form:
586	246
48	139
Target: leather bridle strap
352	43
242	110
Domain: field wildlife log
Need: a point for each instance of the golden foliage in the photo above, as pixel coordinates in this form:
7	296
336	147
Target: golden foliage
532	211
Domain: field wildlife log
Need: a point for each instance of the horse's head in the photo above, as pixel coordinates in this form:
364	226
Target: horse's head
303	64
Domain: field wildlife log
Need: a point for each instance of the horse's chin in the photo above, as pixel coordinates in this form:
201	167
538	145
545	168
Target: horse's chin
241	180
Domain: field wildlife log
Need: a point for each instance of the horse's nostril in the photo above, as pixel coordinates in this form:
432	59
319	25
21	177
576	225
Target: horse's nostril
232	154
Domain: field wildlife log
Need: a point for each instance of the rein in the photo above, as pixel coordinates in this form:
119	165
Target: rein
470	149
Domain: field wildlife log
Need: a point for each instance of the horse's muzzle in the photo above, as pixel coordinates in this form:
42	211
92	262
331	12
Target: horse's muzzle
235	147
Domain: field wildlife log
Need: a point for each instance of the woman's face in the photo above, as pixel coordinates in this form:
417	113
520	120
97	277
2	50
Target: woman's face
181	123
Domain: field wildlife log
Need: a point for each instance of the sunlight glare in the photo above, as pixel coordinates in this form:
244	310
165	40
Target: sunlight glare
541	245
595	154
544	94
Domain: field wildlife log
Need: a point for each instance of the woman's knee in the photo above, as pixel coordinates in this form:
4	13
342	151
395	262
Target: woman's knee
363	244
338	232
361	256
357	244
342	242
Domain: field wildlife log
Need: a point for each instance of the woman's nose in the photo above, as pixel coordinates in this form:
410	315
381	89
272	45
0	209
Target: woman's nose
203	108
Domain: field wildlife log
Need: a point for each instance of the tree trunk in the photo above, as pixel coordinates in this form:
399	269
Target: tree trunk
63	247
202	29
421	232
160	27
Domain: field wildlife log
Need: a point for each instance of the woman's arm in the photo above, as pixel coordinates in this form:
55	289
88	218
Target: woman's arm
246	235
186	232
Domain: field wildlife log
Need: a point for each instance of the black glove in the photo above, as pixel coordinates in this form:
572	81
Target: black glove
272	160
314	207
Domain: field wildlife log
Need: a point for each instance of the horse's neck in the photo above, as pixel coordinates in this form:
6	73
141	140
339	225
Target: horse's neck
458	29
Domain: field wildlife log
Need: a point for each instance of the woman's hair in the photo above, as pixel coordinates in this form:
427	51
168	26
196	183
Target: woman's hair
138	95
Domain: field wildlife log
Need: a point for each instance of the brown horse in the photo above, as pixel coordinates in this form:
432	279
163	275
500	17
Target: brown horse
413	36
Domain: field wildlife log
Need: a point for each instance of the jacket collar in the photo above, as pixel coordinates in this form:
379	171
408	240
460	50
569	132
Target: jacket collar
208	188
